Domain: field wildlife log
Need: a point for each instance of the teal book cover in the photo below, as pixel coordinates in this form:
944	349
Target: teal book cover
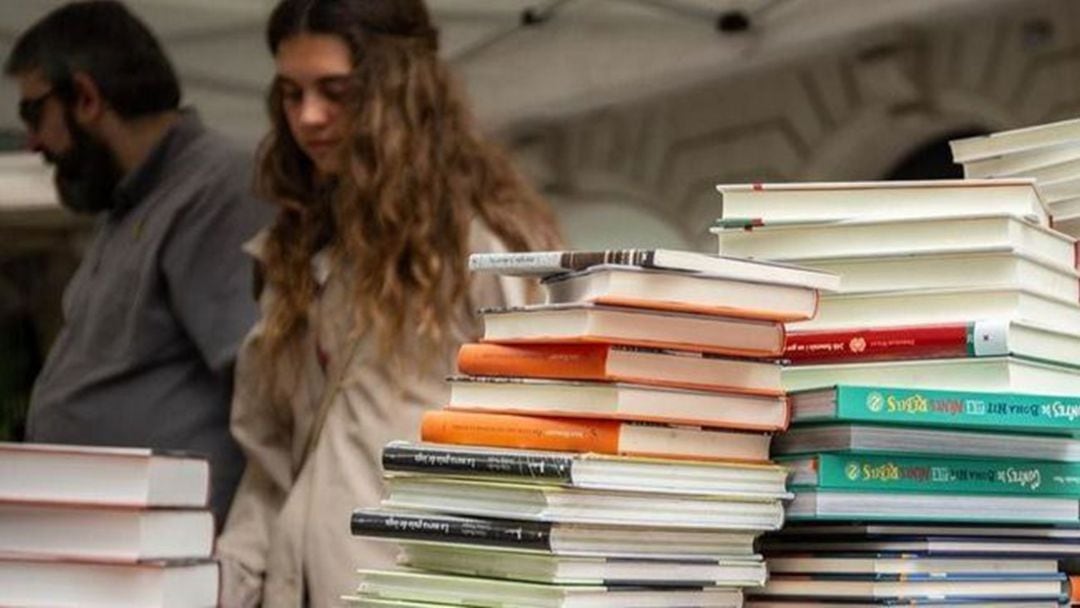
1012	411
888	473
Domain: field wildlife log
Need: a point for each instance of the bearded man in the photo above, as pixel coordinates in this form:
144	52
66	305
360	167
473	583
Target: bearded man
162	299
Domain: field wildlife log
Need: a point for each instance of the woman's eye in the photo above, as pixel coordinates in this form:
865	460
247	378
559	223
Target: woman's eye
292	95
335	92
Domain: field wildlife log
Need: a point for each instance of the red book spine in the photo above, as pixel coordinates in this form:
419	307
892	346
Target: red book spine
880	344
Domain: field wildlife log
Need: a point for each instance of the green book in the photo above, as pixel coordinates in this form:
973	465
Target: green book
890	473
1006	411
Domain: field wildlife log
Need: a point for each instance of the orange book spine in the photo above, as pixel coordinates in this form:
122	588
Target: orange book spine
570	361
523	432
1074	589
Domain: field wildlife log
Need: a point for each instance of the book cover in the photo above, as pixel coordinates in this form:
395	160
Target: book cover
1015	411
889	473
595	471
434	527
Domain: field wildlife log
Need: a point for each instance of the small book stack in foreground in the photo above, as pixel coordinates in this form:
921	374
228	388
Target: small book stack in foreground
935	398
608	448
104	528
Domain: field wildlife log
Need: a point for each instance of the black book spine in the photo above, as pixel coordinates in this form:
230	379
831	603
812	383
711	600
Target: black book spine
521	467
499	533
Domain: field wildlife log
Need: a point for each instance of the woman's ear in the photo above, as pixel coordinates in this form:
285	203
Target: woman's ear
88	104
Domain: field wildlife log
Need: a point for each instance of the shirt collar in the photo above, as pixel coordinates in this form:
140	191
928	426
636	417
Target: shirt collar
135	186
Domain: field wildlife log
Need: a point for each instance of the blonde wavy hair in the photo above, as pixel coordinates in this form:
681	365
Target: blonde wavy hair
417	174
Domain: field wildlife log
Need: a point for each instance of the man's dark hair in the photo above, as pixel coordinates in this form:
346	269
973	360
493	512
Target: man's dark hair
103	39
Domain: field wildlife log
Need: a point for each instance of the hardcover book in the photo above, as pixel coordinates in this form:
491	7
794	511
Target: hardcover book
1031	587
889	473
808	201
987	338
943	441
895	236
983	374
683	292
825	505
906	564
633	327
1015	140
132	477
606	362
890	308
109	534
975	268
881	404
29	582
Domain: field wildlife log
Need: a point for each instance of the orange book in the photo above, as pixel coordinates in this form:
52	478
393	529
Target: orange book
592	435
614	363
1074	589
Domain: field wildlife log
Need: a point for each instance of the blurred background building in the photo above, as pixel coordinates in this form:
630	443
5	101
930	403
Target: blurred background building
625	113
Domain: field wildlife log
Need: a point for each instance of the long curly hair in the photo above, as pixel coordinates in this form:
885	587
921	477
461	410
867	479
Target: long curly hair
417	173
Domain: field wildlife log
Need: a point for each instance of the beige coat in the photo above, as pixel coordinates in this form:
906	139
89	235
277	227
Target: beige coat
289	529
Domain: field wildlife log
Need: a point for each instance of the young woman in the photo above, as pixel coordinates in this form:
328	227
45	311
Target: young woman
384	188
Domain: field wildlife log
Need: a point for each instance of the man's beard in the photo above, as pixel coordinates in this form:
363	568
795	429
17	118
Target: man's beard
87	174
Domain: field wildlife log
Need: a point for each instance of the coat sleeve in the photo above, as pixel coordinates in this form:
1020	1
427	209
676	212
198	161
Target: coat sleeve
263	428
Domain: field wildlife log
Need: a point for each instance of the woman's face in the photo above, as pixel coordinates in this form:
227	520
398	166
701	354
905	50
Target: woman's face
313	77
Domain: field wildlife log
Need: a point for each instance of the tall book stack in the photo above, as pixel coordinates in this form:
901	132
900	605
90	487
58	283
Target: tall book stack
608	448
935	396
104	528
1049	154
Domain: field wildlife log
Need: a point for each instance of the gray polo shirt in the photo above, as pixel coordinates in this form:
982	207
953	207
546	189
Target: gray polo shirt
157	309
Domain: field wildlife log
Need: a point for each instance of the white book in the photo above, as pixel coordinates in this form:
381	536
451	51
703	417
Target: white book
1015	140
573	505
682	292
1059	190
105	533
988	374
1039	163
133	477
47	584
912	506
846	437
809	201
562	324
378	587
567	570
908	589
973	268
892	308
907	564
798	241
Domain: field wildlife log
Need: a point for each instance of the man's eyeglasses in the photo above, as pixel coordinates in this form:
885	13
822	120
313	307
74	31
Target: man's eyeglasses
31	110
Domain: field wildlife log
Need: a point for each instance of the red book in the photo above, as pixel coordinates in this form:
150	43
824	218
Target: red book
892	343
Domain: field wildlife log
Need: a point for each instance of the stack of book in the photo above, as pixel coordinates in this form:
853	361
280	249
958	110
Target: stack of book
941	384
1049	154
609	448
104	528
